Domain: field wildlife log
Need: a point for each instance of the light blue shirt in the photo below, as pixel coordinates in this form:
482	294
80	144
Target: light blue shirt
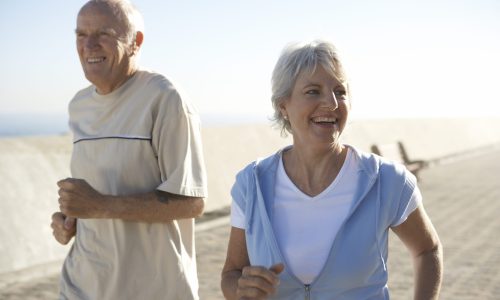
356	266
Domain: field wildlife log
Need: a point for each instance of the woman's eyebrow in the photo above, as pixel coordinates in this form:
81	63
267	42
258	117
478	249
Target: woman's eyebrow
311	83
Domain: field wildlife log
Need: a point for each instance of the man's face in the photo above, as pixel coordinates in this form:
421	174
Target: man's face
100	41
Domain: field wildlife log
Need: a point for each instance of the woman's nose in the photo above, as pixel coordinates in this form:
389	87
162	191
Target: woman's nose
331	101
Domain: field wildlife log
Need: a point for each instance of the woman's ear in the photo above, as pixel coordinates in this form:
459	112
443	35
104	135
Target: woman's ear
282	107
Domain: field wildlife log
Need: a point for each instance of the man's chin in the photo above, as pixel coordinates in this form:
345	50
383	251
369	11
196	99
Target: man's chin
94	78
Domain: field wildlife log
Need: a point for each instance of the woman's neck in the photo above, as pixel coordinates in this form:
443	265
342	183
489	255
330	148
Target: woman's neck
311	169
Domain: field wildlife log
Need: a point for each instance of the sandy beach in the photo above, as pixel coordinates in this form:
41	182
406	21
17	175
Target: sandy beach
30	167
462	204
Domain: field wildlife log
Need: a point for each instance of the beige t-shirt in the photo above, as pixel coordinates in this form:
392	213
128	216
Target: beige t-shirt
141	137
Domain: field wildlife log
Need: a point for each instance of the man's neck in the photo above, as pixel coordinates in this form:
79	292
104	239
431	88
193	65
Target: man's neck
108	88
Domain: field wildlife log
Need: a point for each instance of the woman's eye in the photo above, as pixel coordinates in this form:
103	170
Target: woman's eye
312	92
340	93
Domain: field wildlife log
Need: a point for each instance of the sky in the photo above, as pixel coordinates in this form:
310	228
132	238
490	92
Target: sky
403	58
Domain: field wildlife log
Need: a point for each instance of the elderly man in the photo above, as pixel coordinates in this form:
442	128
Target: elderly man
138	171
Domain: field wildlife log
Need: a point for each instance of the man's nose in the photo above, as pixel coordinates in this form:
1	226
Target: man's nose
92	42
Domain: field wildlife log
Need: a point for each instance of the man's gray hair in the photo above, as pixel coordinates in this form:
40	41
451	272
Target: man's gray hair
127	14
294	59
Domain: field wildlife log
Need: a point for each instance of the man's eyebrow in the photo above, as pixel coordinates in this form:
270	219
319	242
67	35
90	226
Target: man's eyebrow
109	31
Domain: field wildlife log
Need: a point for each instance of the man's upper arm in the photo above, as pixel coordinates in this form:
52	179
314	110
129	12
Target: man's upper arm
178	143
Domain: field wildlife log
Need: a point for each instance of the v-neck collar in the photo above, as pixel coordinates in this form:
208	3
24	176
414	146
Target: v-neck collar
332	185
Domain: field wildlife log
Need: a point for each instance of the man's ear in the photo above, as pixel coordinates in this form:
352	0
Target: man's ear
139	38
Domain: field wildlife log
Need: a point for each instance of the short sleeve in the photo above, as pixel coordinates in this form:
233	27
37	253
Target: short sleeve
407	200
178	144
411	206
239	195
237	216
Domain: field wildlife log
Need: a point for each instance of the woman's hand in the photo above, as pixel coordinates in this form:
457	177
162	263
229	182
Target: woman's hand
240	280
258	282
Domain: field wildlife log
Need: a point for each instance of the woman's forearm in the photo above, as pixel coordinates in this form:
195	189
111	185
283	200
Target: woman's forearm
428	274
229	284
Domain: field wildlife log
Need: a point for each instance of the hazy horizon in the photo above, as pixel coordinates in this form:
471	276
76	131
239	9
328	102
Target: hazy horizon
37	124
404	59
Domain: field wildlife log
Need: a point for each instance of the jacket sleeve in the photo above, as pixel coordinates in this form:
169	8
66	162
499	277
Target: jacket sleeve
240	187
397	189
241	193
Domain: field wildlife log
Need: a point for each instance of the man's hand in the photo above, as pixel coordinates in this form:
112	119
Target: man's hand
63	228
79	200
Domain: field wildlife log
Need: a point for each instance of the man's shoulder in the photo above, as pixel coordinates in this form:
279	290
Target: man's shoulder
155	80
171	93
85	92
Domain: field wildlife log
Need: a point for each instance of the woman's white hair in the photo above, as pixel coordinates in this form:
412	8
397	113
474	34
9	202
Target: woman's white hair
127	14
294	59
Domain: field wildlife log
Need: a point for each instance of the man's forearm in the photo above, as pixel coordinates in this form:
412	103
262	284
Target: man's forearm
428	274
80	200
152	207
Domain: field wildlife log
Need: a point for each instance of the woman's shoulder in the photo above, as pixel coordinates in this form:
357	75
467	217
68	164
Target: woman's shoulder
386	169
259	166
263	163
383	163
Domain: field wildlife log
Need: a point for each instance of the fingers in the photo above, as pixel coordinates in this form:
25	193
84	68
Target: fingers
63	226
63	237
69	223
74	195
68	192
63	182
57	217
277	268
63	204
61	222
57	221
258	277
62	232
258	282
266	274
69	183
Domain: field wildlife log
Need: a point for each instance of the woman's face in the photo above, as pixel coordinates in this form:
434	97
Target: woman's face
317	108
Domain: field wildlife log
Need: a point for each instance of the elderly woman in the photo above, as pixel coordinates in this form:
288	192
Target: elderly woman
312	220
